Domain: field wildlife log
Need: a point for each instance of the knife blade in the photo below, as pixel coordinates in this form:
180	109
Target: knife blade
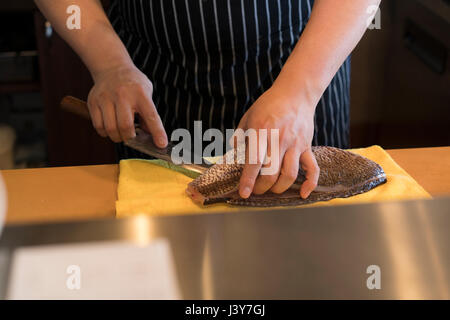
143	142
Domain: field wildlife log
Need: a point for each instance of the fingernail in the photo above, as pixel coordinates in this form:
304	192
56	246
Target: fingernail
162	142
246	192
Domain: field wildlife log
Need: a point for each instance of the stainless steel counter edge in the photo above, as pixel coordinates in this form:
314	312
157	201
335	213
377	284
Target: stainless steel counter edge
302	253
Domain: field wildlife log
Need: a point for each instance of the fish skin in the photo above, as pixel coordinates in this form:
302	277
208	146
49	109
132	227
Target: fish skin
342	174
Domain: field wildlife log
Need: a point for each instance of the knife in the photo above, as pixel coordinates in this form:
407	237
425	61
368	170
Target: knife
143	142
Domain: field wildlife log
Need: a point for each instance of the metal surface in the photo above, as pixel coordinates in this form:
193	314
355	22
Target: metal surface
143	142
314	253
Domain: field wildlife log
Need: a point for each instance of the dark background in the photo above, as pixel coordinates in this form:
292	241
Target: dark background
400	90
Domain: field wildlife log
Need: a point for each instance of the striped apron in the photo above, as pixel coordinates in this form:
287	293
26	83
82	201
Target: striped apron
209	60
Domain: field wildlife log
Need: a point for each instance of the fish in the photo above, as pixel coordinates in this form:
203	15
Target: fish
342	174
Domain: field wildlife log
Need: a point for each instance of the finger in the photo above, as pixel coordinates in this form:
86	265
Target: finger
242	125
109	121
264	182
252	166
152	121
97	119
125	120
309	165
289	170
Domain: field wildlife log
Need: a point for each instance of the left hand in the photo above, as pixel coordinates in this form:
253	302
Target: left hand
295	122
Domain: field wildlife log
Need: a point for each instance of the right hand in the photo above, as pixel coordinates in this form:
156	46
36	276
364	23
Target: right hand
118	94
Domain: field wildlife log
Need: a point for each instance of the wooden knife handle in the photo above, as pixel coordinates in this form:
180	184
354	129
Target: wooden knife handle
75	106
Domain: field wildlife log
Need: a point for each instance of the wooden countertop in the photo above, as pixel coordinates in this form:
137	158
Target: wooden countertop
89	192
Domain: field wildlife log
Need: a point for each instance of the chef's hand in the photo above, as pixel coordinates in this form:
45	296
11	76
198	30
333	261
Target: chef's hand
118	94
295	121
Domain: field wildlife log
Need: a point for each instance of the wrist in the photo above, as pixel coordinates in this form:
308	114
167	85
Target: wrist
299	94
115	64
302	81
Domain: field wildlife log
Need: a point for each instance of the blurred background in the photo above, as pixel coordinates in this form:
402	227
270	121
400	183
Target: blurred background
400	89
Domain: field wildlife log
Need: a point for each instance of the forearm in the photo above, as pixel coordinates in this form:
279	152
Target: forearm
96	42
333	31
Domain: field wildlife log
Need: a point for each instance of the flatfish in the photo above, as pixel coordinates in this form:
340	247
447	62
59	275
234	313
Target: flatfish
342	174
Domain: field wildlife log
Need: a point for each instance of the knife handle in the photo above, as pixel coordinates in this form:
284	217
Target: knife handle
75	106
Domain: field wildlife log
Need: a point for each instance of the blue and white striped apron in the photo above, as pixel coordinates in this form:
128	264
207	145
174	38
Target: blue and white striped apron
210	60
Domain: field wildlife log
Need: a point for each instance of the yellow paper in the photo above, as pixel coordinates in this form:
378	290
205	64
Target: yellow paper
148	188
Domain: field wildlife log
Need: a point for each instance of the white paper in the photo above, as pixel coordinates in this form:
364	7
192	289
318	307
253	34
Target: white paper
108	270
